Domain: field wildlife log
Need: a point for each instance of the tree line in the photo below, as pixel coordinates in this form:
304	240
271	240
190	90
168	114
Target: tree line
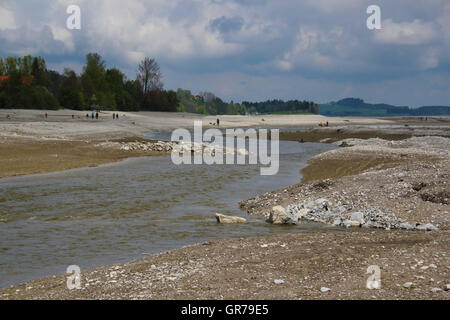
280	106
27	83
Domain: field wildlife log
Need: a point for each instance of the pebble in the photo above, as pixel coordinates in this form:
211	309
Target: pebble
325	289
409	285
279	281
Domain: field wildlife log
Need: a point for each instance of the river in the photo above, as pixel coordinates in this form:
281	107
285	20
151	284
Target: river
119	212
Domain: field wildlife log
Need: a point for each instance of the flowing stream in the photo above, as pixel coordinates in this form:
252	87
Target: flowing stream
115	213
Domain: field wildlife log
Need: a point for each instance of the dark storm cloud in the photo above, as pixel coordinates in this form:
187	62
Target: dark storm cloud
317	49
226	25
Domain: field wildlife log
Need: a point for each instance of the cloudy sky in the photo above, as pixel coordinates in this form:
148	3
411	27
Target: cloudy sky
318	50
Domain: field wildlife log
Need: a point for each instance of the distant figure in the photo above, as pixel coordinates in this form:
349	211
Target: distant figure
114	116
327	124
321	124
87	115
301	140
117	116
96	116
92	115
218	122
73	116
46	115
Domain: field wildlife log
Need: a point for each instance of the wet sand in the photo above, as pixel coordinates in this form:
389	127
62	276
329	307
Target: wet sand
22	156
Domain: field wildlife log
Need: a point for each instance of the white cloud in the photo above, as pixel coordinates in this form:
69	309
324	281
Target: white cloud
430	59
330	6
63	35
416	32
7	20
314	48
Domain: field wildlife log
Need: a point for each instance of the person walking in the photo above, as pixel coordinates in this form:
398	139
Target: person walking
114	116
92	115
117	116
96	115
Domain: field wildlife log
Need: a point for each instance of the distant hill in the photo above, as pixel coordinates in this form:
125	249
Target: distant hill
357	107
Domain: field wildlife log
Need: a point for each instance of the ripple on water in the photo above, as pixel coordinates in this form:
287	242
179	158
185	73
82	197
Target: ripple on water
114	213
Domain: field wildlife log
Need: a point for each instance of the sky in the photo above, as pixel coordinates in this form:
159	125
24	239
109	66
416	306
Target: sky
252	50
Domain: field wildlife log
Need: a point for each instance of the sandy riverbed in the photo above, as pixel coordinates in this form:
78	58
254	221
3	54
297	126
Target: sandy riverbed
30	143
409	179
60	125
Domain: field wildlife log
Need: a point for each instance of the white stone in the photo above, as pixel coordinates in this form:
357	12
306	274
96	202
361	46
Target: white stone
351	224
426	227
221	218
278	215
357	216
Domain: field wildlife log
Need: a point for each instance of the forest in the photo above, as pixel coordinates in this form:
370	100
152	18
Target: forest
27	83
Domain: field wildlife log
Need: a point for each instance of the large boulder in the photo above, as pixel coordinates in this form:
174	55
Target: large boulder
278	215
221	218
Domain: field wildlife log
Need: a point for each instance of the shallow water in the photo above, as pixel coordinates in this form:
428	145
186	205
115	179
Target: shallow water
115	213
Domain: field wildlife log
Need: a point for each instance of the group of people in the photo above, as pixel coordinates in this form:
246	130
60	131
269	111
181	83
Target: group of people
323	125
93	115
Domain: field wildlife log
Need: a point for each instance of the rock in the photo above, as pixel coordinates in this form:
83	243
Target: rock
406	226
426	227
302	212
351	224
337	222
322	202
279	281
309	205
447	287
357	216
325	289
221	218
409	285
436	290
278	215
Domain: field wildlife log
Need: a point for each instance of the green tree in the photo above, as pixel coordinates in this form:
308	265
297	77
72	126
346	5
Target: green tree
70	94
39	71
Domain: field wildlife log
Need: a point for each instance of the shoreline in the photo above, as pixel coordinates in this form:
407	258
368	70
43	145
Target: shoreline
186	273
31	144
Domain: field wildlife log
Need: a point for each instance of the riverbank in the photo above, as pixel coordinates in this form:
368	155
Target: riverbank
251	268
407	178
67	139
